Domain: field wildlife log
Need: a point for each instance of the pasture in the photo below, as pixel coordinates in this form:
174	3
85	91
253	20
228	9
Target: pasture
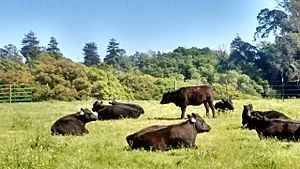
26	142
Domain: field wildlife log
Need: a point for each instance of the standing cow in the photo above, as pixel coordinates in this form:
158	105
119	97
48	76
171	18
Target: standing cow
248	110
73	124
193	95
161	137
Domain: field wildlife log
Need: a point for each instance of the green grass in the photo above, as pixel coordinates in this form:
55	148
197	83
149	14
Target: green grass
26	142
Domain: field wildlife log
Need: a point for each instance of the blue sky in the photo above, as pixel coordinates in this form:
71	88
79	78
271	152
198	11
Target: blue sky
138	25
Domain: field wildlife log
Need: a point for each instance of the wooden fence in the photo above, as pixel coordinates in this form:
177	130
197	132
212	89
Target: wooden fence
15	93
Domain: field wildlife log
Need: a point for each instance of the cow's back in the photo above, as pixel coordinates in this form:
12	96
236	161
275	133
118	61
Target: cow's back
68	125
274	115
117	112
195	95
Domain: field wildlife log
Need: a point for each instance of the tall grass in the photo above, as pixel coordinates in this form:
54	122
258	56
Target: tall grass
25	140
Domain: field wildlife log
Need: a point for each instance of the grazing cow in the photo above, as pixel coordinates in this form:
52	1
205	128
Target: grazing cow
281	129
73	124
224	104
162	137
248	109
106	112
135	107
193	95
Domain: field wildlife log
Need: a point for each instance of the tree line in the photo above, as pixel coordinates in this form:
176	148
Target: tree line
243	72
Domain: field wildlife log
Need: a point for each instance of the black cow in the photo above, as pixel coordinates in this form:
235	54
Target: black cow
193	95
224	104
135	107
133	140
162	137
269	114
73	124
106	112
282	129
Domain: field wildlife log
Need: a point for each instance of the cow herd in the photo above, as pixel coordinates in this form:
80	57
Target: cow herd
164	137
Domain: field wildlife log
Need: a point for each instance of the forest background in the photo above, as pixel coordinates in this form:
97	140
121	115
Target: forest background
246	71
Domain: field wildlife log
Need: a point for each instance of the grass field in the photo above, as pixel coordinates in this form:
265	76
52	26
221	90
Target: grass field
26	142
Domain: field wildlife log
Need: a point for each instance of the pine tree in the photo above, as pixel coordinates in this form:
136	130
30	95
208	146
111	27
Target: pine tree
113	53
53	49
52	46
30	48
91	57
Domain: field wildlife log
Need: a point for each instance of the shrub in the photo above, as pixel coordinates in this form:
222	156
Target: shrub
106	86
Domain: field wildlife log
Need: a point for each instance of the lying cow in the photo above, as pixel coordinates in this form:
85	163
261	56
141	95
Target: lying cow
106	112
133	140
73	124
162	137
135	107
193	95
224	104
248	109
282	129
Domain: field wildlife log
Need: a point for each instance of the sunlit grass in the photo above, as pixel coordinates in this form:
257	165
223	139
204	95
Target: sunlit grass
25	140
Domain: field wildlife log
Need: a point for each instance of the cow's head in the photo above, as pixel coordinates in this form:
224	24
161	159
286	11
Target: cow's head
228	104
200	125
246	116
97	106
85	115
166	98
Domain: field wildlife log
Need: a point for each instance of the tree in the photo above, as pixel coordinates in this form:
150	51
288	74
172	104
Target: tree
285	24
12	71
53	49
30	49
10	51
91	56
52	46
243	57
113	56
59	79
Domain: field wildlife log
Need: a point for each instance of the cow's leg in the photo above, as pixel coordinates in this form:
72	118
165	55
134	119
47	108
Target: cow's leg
206	108
211	105
182	112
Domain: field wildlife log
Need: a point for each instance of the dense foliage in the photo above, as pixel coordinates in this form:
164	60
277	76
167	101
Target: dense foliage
245	71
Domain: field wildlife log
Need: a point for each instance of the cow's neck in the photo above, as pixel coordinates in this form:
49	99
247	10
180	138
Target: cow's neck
262	124
188	125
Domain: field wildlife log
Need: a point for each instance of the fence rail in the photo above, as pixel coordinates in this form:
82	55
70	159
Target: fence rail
15	93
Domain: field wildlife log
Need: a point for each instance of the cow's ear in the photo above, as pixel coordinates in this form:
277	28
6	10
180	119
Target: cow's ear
223	100
193	120
81	112
194	117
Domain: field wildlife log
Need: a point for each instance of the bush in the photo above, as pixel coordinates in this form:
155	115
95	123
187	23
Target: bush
106	86
142	86
59	79
63	93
